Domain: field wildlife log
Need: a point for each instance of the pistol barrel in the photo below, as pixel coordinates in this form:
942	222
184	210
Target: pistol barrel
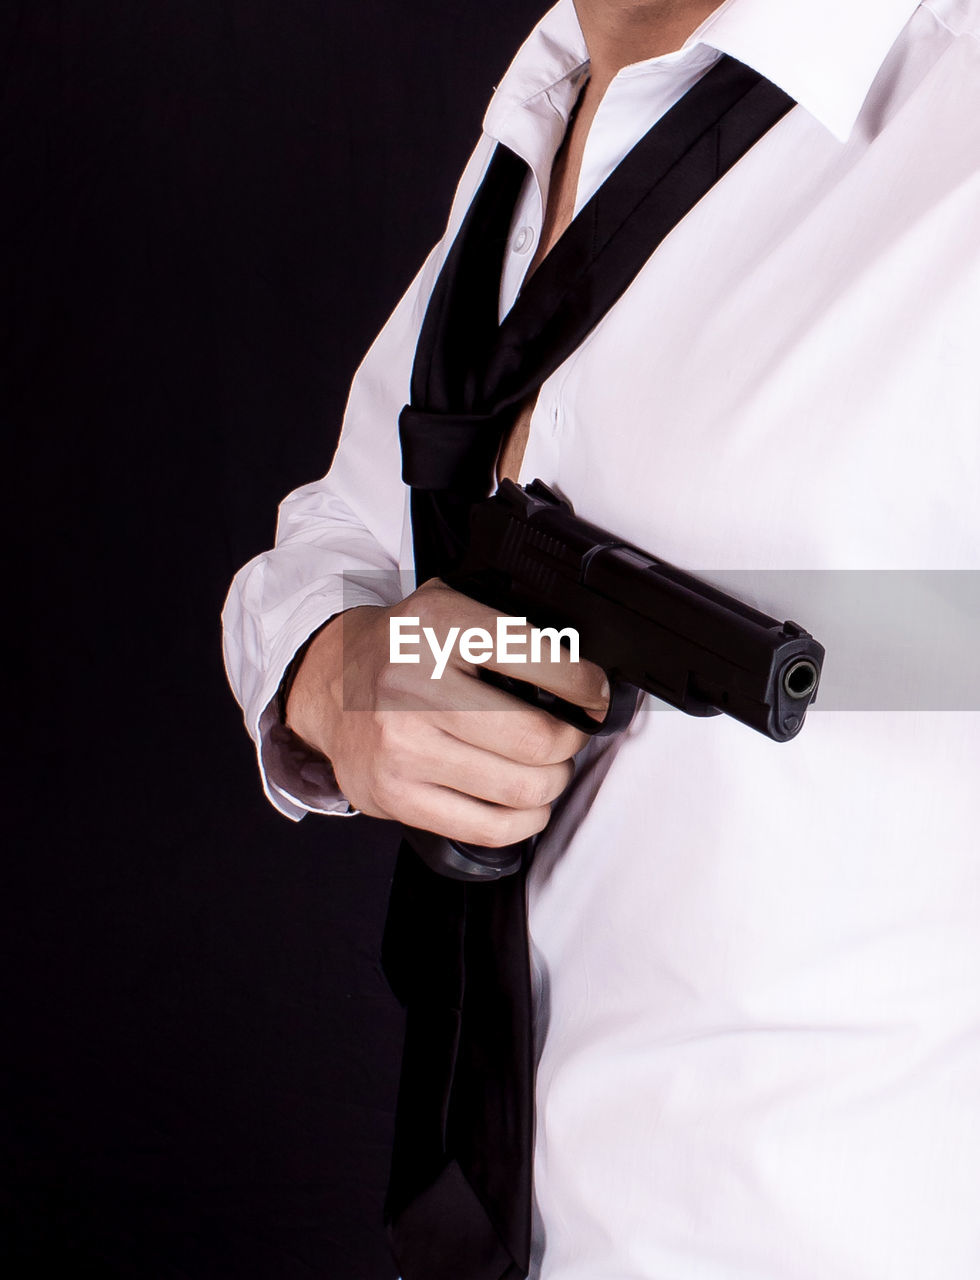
644	621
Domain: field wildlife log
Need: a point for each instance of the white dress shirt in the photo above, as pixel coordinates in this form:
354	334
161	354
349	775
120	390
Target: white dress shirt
758	965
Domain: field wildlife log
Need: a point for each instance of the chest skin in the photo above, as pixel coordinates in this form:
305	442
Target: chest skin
559	213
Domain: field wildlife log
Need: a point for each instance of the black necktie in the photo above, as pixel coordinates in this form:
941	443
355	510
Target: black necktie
456	954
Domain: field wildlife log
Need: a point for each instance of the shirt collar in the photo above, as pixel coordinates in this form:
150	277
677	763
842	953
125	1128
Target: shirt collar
824	53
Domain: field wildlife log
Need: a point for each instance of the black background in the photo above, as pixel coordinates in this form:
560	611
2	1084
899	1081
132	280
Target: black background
207	209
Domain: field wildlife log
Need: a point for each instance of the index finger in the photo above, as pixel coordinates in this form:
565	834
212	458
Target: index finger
550	658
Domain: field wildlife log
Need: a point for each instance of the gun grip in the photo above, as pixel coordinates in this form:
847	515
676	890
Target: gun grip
460	861
622	703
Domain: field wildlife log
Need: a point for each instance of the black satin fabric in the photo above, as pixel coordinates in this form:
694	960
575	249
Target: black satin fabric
456	954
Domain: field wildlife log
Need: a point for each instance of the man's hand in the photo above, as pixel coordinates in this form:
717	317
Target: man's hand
453	755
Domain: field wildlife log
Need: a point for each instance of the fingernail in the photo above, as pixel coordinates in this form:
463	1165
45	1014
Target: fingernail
604	691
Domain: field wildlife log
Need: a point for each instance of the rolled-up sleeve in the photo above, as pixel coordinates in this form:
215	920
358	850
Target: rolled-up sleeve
342	541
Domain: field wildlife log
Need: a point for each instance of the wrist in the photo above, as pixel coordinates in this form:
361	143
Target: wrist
314	698
292	671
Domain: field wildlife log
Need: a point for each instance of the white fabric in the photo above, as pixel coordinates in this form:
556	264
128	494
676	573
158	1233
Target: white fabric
758	965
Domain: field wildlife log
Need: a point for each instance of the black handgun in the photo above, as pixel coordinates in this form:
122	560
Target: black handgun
649	625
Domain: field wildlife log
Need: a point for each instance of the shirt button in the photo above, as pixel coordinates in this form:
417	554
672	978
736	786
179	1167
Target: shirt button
523	240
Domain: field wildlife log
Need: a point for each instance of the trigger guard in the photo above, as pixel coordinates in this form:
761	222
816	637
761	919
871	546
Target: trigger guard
623	698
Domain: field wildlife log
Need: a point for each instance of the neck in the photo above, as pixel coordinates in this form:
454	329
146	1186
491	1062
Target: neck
618	32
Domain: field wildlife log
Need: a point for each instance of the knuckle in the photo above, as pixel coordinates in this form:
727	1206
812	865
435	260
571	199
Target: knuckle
535	743
385	736
394	679
508	826
570	742
521	825
387	679
392	791
393	739
436	603
529	791
488	833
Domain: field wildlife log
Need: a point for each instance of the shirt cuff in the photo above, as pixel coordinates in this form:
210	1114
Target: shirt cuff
296	779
